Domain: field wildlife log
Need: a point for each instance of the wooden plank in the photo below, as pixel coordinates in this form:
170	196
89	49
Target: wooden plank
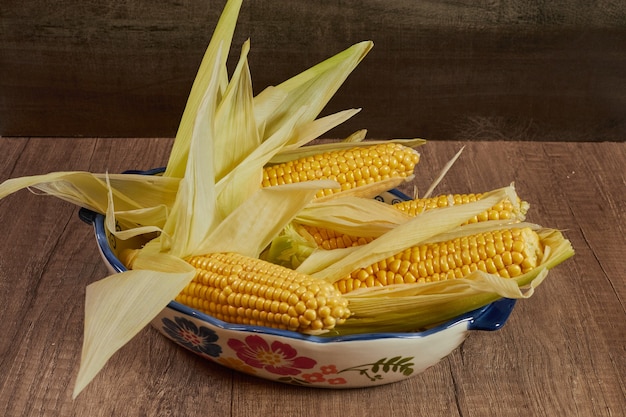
439	70
40	344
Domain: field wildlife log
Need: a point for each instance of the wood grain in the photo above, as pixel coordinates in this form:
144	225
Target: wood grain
560	354
463	70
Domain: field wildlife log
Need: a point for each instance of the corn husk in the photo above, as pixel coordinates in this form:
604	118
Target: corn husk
356	216
313	88
360	217
119	306
215	57
357	136
141	199
442	174
246	234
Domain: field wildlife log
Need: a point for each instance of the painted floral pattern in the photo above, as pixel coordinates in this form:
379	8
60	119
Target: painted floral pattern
327	374
198	339
278	358
256	355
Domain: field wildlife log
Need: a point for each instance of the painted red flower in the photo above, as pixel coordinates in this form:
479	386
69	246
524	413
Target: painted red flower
277	358
337	381
328	369
314	377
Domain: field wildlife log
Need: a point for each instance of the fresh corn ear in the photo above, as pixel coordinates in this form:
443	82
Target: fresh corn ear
243	290
351	168
330	239
409	307
508	253
504	210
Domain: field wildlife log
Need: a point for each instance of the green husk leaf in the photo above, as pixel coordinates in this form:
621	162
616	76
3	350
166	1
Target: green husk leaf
290	248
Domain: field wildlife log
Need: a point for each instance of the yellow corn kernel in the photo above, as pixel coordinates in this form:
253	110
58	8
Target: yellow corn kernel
513	252
501	211
243	290
350	167
329	239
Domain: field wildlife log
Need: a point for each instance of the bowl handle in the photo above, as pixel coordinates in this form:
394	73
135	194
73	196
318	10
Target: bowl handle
494	316
87	215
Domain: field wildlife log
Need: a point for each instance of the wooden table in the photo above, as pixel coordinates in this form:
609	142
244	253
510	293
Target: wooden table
562	352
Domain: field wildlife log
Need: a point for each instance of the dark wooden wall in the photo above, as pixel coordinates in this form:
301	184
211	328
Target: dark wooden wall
468	69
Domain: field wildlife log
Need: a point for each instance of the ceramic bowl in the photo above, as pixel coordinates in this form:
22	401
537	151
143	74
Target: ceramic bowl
326	362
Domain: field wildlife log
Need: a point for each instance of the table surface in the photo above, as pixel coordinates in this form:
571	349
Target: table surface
561	353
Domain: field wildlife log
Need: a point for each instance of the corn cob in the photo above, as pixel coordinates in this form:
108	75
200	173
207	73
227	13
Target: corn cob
243	290
507	253
330	239
502	211
351	168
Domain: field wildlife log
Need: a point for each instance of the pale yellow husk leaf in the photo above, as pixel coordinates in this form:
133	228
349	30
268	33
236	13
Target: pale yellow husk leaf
131	192
119	306
442	173
295	124
215	57
313	87
245	178
318	127
355	216
249	234
237	132
357	136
